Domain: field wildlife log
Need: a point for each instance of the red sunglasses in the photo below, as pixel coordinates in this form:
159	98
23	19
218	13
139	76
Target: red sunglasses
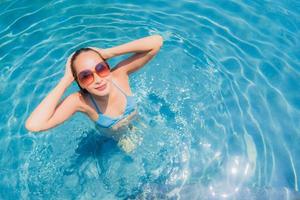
86	77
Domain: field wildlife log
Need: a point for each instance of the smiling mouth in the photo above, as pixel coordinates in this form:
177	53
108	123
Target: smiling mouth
100	88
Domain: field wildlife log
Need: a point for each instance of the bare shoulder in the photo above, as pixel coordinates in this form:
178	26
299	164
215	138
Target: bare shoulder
122	80
86	105
77	100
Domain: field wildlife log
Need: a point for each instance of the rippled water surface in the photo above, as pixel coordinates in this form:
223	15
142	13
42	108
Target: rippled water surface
219	106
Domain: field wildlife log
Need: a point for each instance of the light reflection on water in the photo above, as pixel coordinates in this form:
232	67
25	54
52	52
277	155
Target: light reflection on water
218	106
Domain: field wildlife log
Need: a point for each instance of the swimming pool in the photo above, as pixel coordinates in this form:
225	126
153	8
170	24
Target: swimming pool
219	107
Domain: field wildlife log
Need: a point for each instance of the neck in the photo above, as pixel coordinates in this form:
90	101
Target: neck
104	99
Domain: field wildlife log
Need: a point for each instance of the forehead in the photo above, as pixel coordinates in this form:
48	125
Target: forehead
87	60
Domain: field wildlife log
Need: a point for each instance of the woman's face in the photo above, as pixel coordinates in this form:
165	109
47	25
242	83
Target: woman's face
87	61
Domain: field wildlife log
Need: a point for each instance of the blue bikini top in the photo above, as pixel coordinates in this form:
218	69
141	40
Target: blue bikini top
106	121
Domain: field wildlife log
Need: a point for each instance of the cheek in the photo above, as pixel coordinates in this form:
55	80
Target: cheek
83	86
107	79
109	86
79	84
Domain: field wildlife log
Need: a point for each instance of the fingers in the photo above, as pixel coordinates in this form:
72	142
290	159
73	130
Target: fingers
68	63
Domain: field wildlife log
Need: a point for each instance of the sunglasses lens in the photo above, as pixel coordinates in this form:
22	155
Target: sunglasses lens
86	77
102	69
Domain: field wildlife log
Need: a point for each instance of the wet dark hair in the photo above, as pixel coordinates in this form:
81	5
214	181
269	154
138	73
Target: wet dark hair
74	56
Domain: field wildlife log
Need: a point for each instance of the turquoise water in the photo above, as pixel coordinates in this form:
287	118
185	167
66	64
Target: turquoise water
219	106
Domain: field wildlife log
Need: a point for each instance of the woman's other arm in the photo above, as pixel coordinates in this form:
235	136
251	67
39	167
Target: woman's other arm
50	112
145	49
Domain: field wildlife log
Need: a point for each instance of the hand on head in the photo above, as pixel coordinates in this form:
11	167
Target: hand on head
103	52
68	72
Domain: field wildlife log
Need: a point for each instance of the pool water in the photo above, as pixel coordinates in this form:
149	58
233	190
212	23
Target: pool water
219	106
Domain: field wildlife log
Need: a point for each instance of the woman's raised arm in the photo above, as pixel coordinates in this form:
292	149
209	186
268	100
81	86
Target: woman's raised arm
48	113
145	49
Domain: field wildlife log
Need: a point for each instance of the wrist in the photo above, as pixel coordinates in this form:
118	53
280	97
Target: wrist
66	80
107	53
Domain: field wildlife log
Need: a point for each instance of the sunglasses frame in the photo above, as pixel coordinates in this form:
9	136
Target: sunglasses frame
92	72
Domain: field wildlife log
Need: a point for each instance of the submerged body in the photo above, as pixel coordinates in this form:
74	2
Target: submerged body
118	127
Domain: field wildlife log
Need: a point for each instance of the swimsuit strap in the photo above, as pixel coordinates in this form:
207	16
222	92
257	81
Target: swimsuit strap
94	102
119	87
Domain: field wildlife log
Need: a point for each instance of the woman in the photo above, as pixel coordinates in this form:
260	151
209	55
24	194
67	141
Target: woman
105	94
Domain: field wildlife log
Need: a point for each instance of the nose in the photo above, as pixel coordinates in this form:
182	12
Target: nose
97	78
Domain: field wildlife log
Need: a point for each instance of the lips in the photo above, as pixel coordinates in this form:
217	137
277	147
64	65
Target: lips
101	87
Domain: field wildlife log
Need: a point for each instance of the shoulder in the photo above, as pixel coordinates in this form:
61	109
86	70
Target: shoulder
122	80
119	75
77	99
79	102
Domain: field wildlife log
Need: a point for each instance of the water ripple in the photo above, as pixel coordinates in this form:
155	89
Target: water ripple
220	120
